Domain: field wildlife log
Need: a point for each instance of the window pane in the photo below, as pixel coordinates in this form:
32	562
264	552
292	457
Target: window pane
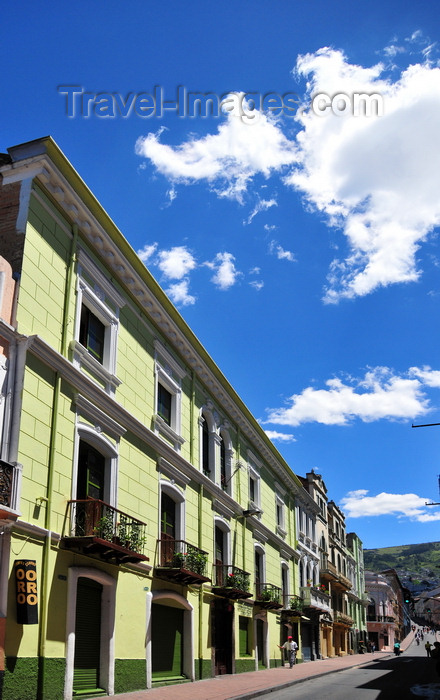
252	489
164	404
91	334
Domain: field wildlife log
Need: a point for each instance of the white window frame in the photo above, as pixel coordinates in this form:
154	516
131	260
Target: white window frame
254	466
169	374
94	298
207	416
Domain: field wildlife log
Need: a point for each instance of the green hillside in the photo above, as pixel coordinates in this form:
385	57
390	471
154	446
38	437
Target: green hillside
415	562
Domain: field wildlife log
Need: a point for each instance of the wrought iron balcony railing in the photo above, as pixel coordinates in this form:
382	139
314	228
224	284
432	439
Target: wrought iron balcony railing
6	484
182	561
231	581
267	595
293	604
343	619
97	527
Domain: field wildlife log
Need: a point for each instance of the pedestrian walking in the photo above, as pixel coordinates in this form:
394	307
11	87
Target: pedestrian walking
291	647
428	648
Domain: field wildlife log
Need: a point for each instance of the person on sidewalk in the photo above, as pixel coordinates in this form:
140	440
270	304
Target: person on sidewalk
428	648
291	647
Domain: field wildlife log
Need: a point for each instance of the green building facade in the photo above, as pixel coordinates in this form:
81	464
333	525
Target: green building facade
148	523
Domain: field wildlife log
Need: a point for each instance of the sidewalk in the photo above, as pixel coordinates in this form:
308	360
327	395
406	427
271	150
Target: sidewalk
243	686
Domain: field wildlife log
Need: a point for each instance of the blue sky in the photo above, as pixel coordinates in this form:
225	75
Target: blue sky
300	245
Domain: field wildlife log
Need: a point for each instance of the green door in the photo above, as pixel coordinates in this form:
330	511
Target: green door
167	642
87	637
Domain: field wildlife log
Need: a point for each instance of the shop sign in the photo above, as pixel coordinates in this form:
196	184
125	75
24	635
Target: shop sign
26	591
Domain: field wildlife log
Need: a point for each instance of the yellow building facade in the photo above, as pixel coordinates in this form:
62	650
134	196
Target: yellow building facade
148	523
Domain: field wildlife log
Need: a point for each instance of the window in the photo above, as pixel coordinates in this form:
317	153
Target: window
280	515
223	476
97	322
254	481
167	419
164	400
91	333
207	441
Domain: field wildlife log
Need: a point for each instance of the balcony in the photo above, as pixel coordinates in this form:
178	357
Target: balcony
231	582
316	597
7	484
328	571
268	596
380	618
342	619
100	530
181	562
292	605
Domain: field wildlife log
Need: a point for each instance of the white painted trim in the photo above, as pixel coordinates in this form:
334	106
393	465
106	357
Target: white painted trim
107	670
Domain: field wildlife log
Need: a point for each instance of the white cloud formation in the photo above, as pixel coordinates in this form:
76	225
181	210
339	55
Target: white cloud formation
257	284
375	177
226	273
276	249
379	394
282	437
147	251
228	159
428	376
262	205
179	293
176	262
357	504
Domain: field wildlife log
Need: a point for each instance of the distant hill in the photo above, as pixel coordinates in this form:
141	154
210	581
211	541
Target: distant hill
417	565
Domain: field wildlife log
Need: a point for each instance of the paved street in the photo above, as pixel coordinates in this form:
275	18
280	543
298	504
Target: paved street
410	676
381	673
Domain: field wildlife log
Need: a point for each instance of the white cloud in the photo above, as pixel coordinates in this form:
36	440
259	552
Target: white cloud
147	251
281	254
357	504
179	293
282	437
176	262
375	177
428	376
229	159
379	394
262	205
257	284
226	273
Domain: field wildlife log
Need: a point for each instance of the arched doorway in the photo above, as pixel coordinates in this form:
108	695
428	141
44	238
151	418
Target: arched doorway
87	657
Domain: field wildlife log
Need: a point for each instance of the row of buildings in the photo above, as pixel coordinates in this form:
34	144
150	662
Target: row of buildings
150	530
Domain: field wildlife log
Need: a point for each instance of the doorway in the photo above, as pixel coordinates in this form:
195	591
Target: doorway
87	658
222	631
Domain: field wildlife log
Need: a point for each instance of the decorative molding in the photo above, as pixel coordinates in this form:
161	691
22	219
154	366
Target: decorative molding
172	472
99	418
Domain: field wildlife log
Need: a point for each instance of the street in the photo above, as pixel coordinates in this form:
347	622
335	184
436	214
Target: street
410	676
